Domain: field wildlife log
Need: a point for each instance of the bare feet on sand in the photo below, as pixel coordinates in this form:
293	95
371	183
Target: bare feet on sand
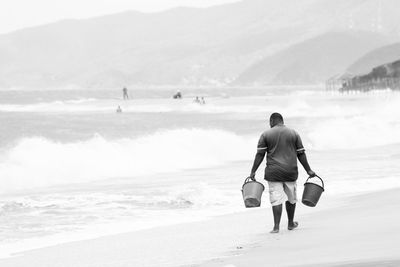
275	230
292	226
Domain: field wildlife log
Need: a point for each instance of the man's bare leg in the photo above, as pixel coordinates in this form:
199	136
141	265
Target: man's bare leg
277	211
290	209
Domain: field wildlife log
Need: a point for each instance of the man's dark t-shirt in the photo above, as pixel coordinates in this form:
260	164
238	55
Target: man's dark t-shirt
282	145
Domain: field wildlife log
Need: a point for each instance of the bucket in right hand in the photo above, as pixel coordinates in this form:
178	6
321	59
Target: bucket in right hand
312	192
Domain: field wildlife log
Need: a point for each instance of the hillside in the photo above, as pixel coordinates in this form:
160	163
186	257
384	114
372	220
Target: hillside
375	58
312	61
190	46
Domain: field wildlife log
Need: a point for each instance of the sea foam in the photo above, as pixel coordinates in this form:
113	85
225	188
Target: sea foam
36	162
376	124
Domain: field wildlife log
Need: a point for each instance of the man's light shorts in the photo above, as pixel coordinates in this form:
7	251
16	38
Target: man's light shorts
279	192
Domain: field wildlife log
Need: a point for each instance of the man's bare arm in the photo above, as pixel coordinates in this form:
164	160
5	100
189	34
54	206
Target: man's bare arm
303	160
257	161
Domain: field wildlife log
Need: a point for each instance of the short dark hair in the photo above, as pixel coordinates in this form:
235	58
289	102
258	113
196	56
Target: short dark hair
276	118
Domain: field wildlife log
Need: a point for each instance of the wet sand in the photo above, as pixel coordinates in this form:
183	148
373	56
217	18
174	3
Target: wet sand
361	231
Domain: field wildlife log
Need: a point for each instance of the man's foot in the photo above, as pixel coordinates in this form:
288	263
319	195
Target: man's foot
293	225
275	230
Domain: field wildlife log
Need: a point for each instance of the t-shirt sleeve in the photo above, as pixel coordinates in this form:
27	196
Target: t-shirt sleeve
299	144
262	144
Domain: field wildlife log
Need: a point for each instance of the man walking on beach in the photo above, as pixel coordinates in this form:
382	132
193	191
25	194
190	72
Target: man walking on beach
283	147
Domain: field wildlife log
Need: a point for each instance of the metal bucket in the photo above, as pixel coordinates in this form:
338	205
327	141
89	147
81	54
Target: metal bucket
252	192
312	192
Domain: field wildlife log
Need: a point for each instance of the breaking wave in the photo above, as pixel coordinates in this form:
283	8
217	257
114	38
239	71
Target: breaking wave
36	162
376	124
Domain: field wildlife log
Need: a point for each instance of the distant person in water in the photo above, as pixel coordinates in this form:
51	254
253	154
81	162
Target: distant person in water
125	93
202	101
283	147
178	95
119	109
196	100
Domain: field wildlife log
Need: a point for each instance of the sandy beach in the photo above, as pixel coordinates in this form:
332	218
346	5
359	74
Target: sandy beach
129	130
108	205
359	231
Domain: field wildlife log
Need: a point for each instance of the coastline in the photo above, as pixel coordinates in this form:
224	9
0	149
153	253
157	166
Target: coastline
360	233
348	232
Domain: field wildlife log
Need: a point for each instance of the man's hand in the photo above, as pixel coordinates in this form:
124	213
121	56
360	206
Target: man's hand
252	176
311	173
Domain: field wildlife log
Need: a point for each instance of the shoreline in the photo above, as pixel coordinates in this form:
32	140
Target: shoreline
241	239
361	233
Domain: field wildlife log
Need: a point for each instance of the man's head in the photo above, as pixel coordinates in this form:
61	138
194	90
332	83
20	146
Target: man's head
275	119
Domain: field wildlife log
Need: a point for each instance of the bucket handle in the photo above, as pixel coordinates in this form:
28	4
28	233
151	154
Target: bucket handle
248	179
323	186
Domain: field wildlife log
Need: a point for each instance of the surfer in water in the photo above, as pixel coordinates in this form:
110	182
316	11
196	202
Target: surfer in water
178	95
283	147
125	93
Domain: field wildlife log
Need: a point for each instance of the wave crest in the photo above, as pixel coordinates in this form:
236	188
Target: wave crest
36	162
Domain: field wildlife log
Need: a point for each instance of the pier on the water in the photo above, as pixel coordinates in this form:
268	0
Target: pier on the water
386	76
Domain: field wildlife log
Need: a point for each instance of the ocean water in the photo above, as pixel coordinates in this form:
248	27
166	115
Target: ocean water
72	168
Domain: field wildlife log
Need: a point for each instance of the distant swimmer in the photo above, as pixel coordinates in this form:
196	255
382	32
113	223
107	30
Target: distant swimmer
119	109
283	147
125	93
178	95
203	102
196	100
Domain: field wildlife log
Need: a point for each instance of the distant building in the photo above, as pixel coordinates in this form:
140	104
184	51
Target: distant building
386	76
338	82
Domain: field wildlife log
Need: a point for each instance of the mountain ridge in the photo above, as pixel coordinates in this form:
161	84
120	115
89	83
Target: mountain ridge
314	60
374	58
184	46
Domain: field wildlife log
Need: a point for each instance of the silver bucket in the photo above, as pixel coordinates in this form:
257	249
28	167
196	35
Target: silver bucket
312	192
252	192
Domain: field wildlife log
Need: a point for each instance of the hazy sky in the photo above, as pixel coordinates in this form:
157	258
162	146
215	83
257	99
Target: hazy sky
16	14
